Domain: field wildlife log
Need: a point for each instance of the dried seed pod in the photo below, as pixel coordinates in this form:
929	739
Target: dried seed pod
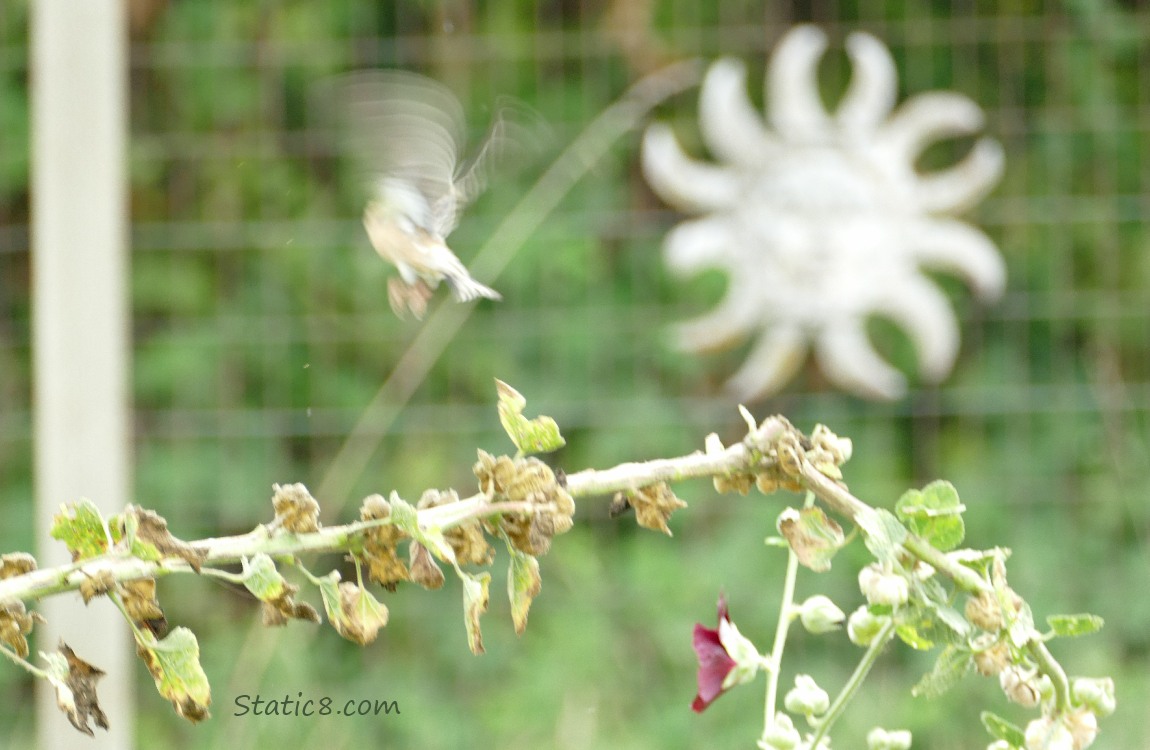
379	544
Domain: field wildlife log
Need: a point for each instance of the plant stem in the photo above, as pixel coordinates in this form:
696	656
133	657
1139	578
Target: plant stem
1050	667
23	663
839	499
853	684
784	624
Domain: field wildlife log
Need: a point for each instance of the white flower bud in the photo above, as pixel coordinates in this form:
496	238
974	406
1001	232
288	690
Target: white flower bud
1020	686
1096	694
820	615
806	697
781	734
863	626
1083	726
1047	733
880	587
880	739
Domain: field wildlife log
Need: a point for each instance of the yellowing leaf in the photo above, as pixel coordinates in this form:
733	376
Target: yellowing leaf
80	526
475	599
523	585
262	578
175	666
539	435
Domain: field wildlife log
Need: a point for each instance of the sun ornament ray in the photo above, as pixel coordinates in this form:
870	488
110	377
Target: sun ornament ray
821	219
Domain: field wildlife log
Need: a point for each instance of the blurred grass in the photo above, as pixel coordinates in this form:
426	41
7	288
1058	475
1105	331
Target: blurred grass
262	329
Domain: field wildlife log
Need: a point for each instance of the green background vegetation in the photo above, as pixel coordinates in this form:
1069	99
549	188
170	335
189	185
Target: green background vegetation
261	331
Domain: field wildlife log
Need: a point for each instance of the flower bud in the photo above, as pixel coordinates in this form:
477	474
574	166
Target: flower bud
984	612
806	697
780	735
881	739
1047	733
820	615
991	654
1019	686
863	626
880	587
1096	693
1083	726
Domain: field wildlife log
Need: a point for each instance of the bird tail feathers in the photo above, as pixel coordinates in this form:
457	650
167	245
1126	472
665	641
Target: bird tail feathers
464	288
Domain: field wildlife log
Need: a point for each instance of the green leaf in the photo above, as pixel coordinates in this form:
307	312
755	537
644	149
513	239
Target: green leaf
934	597
475	599
404	516
523	585
920	626
1001	729
1021	626
262	578
329	592
539	435
80	526
1074	625
882	533
948	669
812	535
935	514
910	634
175	666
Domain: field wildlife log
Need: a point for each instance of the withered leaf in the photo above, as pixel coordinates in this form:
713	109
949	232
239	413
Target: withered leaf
139	600
151	530
812	535
475	599
75	682
423	569
352	611
277	610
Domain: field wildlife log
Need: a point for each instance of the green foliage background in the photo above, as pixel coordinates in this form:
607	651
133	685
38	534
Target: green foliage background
261	332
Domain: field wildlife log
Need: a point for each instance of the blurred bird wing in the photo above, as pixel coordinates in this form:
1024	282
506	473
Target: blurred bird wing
516	131
400	124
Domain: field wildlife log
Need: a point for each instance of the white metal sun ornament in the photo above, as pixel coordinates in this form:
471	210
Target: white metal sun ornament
821	220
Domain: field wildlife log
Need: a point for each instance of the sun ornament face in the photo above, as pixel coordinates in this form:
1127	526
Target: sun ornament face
821	219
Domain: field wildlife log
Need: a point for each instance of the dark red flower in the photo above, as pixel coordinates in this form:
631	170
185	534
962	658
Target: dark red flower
714	661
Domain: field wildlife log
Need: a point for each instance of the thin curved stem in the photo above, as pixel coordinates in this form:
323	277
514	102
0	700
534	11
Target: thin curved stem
784	624
853	684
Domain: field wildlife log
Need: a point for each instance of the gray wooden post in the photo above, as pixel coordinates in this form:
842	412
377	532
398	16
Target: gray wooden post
80	326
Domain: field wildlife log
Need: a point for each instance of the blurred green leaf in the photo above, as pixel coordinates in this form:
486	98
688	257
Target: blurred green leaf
1001	729
1074	625
950	666
934	513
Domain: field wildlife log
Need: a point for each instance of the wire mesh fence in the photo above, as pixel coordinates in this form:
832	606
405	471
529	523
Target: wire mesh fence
262	332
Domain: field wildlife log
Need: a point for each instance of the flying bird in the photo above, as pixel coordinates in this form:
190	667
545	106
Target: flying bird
407	132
